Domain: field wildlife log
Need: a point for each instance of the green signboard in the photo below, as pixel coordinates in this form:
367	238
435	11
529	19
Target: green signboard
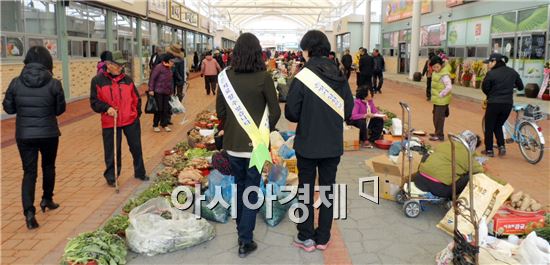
533	19
504	23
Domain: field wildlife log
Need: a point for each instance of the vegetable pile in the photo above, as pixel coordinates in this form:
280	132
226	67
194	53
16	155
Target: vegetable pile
523	202
116	225
99	246
156	190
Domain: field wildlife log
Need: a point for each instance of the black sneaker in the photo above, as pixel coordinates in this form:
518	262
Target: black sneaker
501	151
144	178
246	249
488	153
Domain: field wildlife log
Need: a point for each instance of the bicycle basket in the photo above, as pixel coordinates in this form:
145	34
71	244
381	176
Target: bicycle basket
533	112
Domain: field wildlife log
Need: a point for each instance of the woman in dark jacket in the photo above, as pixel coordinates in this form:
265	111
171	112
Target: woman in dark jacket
161	86
498	86
319	134
37	99
254	87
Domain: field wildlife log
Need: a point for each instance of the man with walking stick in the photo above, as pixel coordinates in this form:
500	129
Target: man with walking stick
114	95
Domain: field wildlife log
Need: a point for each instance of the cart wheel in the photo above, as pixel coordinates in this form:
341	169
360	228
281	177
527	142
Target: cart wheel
412	209
400	197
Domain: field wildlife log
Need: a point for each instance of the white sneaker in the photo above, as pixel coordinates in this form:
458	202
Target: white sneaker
156	129
167	129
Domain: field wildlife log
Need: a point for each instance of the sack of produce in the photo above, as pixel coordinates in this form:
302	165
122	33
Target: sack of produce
217	179
175	104
279	209
489	196
157	228
276	178
218	213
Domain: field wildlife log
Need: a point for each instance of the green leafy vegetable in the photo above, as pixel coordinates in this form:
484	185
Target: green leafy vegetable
155	190
197	152
99	246
117	224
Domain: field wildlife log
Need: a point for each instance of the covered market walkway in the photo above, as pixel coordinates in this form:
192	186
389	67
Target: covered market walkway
402	32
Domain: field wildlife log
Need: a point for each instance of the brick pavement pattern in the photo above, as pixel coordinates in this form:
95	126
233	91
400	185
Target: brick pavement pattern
86	201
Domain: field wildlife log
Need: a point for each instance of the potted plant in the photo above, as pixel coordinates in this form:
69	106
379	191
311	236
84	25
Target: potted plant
98	247
453	64
466	74
478	67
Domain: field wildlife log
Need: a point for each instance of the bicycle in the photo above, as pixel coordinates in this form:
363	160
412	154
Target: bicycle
525	132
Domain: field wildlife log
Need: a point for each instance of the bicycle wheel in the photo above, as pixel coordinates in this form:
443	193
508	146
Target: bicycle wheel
529	142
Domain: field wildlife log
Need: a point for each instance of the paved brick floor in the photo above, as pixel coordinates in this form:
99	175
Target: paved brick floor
86	201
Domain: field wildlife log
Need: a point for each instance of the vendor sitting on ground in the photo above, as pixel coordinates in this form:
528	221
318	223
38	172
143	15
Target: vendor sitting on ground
435	176
365	116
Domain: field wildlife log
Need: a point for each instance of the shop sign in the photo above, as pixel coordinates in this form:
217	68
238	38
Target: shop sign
531	71
395	10
175	10
158	6
190	17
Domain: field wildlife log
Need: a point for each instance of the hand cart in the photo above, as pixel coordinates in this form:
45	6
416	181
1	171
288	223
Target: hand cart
464	252
412	202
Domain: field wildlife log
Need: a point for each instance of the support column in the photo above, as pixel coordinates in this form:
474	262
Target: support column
109	30
63	46
415	38
366	26
139	47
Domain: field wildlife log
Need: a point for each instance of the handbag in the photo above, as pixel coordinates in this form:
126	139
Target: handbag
175	104
151	105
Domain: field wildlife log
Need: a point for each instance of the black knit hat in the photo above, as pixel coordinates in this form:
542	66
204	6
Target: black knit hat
41	55
106	56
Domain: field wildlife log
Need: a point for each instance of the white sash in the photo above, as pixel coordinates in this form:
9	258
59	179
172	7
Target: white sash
259	135
322	90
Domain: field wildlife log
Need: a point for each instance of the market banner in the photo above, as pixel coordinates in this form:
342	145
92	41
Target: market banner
321	89
259	135
395	10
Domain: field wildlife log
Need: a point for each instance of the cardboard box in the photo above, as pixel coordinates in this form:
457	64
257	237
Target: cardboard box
507	223
292	165
389	173
351	138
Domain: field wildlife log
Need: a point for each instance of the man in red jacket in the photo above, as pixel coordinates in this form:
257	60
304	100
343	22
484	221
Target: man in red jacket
115	93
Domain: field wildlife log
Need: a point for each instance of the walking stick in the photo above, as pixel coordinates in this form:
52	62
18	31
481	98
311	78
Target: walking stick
116	151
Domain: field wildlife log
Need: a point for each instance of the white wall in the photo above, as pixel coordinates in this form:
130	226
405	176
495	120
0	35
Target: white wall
225	33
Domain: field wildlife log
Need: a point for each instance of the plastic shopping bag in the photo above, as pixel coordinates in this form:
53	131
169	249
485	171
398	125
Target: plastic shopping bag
175	104
279	210
218	213
217	179
151	105
157	228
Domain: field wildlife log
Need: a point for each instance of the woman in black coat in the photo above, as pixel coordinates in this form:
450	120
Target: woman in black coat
37	99
498	86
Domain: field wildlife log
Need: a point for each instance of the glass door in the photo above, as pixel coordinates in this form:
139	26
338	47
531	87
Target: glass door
403	58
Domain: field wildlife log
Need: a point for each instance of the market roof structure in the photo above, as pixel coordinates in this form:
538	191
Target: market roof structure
287	14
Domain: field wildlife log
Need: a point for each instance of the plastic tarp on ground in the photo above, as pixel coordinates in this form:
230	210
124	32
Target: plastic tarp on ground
156	228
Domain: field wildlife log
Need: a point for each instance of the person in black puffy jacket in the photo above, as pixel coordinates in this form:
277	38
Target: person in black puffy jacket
319	135
37	99
498	86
